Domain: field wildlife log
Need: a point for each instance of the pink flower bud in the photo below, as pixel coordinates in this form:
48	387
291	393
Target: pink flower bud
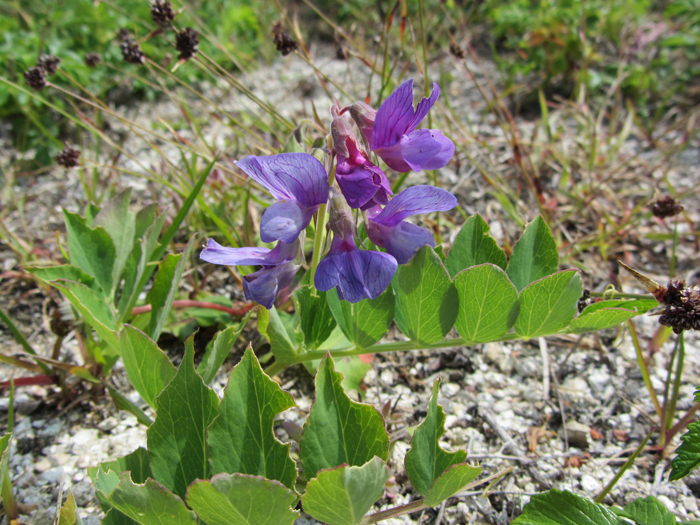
363	115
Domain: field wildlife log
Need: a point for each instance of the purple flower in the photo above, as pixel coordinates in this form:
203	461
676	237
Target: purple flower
277	272
388	229
357	274
397	141
300	183
363	184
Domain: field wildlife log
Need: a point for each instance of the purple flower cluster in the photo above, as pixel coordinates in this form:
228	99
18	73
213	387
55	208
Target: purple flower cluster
300	184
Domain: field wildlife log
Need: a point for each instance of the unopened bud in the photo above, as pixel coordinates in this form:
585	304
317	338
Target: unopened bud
341	219
364	115
341	132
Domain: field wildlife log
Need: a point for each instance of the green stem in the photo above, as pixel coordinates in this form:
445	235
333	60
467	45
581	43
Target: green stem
673	252
414	506
19	337
666	422
676	381
320	227
617	295
397	346
426	80
643	368
622	470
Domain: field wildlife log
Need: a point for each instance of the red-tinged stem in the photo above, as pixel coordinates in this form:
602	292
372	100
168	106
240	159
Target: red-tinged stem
684	422
30	381
236	312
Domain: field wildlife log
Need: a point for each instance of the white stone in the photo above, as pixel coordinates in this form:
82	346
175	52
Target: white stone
590	484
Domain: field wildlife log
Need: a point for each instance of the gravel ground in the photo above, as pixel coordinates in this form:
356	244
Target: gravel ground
503	404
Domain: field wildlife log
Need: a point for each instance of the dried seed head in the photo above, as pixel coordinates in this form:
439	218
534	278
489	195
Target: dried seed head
341	48
131	52
123	35
457	50
35	78
666	207
68	158
284	42
585	300
162	13
62	320
186	42
682	310
48	63
92	59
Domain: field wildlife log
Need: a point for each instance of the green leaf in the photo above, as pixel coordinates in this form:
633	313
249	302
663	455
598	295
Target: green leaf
366	322
147	366
426	300
427	461
281	345
67	272
150	503
123	403
165	286
534	255
547	306
92	307
145	219
68	514
353	371
138	260
315	318
648	511
219	349
119	223
450	482
241	438
558	507
488	303
688	453
343	495
6	492
137	463
641	306
239	499
474	246
600	320
177	439
339	431
91	250
106	478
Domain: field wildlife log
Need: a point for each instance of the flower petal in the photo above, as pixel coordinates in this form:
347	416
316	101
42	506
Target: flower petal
262	286
416	199
298	176
216	254
393	116
417	150
358	274
401	241
284	221
423	108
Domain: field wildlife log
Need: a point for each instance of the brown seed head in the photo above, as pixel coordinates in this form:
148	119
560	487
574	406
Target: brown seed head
132	52
162	13
187	42
48	63
666	207
68	158
92	59
682	310
284	42
457	50
35	78
123	34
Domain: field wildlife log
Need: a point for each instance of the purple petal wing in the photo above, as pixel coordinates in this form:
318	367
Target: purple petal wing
423	108
358	274
284	221
377	270
393	116
358	186
216	254
417	150
263	285
298	176
402	241
416	199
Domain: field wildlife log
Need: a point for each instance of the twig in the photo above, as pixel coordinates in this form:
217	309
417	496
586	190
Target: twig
509	443
545	368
